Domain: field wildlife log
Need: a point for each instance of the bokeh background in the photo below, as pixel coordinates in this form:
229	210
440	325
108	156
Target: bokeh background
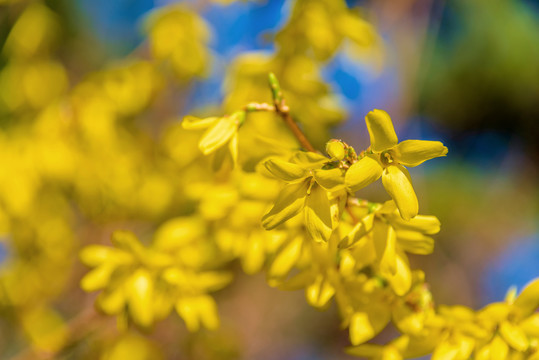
463	72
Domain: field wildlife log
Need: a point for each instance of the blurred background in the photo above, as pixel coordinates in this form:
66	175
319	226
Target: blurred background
462	72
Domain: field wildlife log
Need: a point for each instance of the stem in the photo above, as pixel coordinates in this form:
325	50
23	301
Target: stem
284	112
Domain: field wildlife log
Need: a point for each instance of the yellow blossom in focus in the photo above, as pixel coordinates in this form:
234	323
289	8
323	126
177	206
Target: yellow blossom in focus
387	158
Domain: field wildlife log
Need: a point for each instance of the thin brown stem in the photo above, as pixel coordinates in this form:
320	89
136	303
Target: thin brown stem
284	112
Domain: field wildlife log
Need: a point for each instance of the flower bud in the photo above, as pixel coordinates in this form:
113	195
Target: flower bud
336	149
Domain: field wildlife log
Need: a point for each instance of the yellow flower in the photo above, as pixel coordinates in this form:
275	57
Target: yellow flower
515	322
307	190
387	158
220	132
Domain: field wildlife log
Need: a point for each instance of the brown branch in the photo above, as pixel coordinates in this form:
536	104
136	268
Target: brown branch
284	112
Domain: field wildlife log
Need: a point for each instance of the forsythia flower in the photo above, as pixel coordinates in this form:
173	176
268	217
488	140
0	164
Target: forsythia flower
386	159
150	281
220	132
307	190
515	321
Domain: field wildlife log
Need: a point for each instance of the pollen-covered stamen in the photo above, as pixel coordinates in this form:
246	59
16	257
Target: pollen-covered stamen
386	158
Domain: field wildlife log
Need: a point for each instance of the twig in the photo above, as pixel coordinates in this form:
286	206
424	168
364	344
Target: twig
284	111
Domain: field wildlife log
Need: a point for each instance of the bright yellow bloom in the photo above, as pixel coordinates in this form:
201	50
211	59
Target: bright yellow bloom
307	190
387	158
220	132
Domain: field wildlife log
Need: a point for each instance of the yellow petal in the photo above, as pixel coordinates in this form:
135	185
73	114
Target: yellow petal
401	281
414	152
309	159
112	302
361	329
218	135
362	173
426	224
407	320
397	183
318	215
331	180
285	170
528	301
289	203
515	337
446	351
213	280
364	325
415	242
178	232
286	258
140	294
381	130
187	310
358	231
254	255
498	349
319	292
384	238
193	123
222	158
95	255
98	278
233	149
207	309
531	325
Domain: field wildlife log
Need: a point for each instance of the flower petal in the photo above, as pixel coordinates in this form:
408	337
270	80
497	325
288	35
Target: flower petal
381	130
359	230
426	224
330	180
286	258
401	281
514	336
218	135
193	123
318	214
140	296
364	325
362	173
385	243
528	300
319	292
254	254
415	242
233	148
285	170
397	183
414	152
309	159
289	203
